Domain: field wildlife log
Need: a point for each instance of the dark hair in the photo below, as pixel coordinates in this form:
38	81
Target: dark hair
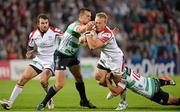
43	16
82	10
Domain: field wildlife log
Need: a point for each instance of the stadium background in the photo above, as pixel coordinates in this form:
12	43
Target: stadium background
149	34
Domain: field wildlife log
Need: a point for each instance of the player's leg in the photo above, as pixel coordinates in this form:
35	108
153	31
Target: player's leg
173	100
164	98
60	80
164	81
44	77
76	71
118	69
60	66
123	103
27	75
100	75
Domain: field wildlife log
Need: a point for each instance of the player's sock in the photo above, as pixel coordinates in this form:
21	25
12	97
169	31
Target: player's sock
52	91
123	96
166	82
81	89
16	91
45	88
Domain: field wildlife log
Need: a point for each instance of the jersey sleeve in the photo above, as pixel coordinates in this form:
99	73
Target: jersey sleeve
105	37
31	42
58	31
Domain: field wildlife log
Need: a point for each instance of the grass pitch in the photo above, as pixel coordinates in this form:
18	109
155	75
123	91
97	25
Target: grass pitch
67	99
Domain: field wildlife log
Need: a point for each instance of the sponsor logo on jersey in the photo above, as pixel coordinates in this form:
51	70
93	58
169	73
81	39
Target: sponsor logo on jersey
106	35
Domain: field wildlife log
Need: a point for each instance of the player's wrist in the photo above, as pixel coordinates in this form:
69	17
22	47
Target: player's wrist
88	34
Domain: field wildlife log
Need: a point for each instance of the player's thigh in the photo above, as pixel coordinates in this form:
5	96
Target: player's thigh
27	75
45	75
161	97
100	74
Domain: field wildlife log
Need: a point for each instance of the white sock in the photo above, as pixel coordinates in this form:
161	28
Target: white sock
16	91
123	96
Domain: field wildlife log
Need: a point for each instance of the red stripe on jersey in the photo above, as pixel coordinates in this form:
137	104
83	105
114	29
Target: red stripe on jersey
123	65
57	30
31	35
106	35
136	76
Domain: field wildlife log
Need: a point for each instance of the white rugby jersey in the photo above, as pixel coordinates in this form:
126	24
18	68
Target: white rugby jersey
110	50
45	43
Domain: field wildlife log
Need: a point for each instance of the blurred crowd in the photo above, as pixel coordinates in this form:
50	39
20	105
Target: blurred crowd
147	28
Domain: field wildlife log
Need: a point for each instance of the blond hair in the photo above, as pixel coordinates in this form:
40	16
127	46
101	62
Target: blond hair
102	15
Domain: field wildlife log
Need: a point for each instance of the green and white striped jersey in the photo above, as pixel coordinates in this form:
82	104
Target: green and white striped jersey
69	43
139	84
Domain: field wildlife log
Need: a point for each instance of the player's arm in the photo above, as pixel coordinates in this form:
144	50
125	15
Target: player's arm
30	53
83	28
115	90
115	30
92	40
31	46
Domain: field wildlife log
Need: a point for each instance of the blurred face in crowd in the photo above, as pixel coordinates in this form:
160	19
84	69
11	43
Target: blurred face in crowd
43	24
100	23
85	17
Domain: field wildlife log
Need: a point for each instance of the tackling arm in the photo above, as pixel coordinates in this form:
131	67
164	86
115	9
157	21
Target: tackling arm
92	40
115	90
83	28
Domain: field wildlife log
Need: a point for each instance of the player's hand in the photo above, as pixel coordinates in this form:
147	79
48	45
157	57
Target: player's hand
29	54
116	30
90	26
108	76
82	40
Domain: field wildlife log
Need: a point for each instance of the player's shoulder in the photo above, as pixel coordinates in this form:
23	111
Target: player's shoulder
56	30
33	33
107	32
74	25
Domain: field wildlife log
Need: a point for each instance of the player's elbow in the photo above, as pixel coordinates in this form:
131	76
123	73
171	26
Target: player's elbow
115	94
117	91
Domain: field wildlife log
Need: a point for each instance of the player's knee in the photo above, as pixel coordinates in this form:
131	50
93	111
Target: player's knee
173	101
23	80
102	83
44	82
101	79
78	78
97	77
59	85
20	84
